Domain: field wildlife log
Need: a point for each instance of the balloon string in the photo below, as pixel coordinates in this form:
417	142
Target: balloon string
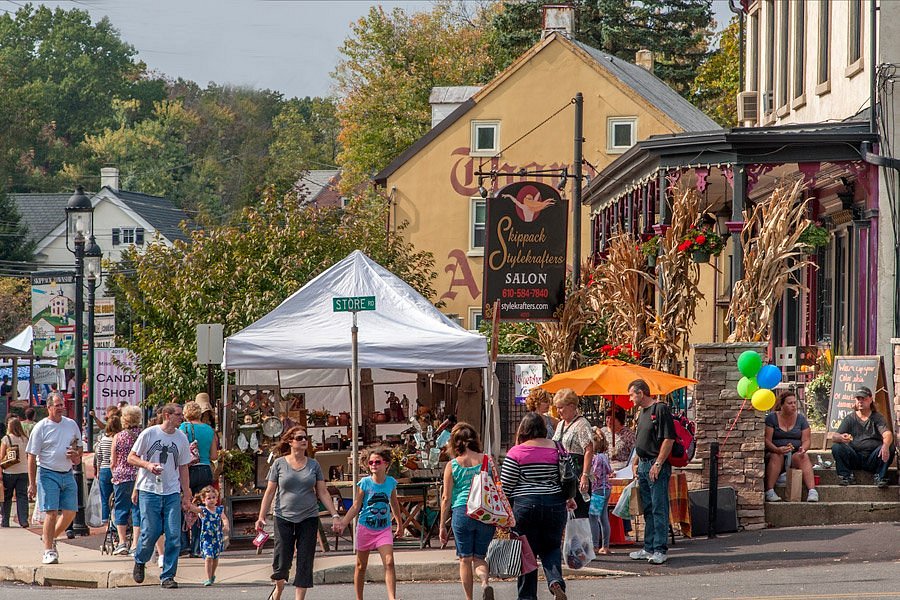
730	429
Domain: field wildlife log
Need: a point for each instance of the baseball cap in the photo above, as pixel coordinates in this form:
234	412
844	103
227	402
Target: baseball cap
862	391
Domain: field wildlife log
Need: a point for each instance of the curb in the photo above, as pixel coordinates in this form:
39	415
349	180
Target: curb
436	572
61	576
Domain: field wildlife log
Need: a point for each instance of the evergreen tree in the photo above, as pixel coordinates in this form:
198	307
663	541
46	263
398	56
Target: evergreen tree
14	242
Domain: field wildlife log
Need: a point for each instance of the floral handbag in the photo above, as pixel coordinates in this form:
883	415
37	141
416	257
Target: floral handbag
487	502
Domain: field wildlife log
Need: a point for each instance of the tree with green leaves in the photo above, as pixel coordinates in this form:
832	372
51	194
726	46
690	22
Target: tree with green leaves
718	81
235	274
15	306
675	31
14	242
388	66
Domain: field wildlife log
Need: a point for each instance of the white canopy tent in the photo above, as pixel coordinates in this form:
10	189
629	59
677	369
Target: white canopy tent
304	343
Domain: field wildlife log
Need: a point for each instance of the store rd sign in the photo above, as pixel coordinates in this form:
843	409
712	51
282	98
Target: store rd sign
354	303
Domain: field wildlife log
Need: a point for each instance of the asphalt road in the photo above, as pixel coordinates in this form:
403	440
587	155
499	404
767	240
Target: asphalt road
838	580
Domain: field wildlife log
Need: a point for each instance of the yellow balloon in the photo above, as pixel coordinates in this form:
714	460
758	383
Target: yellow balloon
763	400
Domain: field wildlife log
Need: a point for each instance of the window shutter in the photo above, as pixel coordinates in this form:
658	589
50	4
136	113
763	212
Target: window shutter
139	236
115	233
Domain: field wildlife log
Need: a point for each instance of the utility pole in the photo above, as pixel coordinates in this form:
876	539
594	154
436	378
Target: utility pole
576	190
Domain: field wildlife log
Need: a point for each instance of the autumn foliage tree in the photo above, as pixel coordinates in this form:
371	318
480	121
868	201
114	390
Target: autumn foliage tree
715	89
235	274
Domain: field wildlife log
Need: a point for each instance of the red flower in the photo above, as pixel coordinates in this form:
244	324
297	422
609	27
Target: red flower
700	239
684	245
606	348
614	352
636	354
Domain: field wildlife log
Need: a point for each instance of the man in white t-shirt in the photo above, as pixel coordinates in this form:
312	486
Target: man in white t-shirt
54	446
163	453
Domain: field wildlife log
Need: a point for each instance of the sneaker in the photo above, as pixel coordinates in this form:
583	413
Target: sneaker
813	496
658	558
160	561
487	593
207	583
782	479
120	550
640	555
169	584
771	496
846	479
557	591
882	483
138	573
50	557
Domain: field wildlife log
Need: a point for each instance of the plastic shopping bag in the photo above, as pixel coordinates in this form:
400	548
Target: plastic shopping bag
578	547
623	506
93	514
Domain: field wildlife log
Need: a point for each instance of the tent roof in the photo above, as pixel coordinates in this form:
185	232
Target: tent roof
405	331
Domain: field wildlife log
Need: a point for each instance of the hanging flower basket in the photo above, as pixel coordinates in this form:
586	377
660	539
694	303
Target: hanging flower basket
702	243
700	256
815	236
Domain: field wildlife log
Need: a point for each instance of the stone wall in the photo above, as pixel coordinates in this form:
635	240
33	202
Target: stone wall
895	342
717	403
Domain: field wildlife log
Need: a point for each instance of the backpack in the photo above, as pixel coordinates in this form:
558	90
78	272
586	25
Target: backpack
685	445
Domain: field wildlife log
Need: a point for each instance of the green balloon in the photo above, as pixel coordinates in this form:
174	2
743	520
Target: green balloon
749	363
746	386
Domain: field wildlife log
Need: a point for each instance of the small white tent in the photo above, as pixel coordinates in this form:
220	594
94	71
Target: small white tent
405	331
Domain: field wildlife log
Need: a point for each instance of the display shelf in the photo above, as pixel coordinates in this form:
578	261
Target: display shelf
242	512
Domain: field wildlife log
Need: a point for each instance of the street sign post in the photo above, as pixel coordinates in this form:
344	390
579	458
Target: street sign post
354	304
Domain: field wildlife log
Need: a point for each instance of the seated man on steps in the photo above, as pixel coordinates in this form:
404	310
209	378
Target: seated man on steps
863	442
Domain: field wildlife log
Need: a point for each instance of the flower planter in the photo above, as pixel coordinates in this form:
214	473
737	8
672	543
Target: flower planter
698	256
319	421
343	418
332	420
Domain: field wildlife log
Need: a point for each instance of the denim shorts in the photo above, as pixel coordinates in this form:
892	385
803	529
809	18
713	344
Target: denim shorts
122	506
58	490
472	537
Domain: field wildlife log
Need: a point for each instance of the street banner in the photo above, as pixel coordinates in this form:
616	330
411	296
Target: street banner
525	252
104	322
116	378
53	317
527	376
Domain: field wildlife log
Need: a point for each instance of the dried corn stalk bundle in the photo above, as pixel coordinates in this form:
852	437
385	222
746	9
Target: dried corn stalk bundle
772	257
677	287
621	291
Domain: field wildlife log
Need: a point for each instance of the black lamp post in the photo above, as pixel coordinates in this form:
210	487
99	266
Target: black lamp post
79	223
93	257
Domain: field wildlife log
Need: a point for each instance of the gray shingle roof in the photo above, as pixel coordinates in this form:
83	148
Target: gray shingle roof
158	211
41	213
654	90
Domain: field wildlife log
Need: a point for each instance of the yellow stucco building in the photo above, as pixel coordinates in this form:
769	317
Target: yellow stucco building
522	119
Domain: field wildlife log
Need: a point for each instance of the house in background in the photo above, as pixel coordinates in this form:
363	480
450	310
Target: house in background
522	119
319	187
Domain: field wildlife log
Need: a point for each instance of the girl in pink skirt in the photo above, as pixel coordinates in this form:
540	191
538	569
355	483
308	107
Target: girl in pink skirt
376	504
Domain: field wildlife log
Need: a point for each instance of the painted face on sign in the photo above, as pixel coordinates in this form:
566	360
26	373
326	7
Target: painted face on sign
529	203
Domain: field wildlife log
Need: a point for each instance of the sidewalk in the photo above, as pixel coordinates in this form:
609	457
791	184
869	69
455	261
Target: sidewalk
82	565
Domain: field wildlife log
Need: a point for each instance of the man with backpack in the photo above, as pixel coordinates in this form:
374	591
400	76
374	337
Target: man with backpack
653	445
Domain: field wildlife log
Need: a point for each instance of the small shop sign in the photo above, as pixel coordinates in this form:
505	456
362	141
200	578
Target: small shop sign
353	303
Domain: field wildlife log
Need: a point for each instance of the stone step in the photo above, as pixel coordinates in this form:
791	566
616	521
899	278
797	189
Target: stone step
792	514
830	477
850	493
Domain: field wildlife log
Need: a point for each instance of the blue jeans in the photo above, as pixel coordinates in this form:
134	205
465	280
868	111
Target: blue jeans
160	514
542	520
847	460
122	506
104	478
472	537
599	518
655	499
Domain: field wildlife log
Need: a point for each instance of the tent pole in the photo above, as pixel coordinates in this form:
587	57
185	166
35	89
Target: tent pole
354	408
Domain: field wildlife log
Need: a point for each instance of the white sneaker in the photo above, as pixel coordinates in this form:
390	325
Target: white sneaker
50	557
160	561
658	558
640	555
771	496
813	496
782	479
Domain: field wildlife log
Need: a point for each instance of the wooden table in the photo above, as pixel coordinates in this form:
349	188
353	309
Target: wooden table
679	503
413	518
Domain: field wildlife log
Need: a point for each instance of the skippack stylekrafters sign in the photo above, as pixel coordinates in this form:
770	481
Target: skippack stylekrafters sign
525	251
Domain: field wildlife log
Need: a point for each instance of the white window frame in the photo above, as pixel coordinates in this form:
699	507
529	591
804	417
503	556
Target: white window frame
473	203
474	313
131	231
475	151
611	123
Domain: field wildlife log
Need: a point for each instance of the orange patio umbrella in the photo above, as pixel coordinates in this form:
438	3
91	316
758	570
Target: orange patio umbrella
610	377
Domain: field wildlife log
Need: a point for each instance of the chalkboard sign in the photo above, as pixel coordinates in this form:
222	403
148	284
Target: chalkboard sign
851	372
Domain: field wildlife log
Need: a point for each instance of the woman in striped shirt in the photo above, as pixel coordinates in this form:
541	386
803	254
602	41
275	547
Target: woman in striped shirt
102	451
530	477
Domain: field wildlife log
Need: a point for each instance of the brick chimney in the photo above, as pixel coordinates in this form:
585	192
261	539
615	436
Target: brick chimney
558	18
644	59
109	177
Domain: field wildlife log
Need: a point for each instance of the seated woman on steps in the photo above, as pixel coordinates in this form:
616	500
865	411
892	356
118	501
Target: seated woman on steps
787	434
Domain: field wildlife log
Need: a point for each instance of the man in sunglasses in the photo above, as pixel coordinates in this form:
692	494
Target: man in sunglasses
163	453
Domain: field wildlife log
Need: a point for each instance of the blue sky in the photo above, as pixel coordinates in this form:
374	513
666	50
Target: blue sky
286	45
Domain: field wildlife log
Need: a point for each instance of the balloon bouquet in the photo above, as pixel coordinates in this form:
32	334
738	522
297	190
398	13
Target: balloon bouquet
758	380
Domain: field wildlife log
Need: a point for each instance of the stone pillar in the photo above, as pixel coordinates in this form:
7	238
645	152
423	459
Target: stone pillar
717	403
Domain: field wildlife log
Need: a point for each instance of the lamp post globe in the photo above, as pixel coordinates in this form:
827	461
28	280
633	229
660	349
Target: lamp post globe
79	224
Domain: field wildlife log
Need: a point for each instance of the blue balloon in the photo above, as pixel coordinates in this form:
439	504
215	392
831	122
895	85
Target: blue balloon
768	377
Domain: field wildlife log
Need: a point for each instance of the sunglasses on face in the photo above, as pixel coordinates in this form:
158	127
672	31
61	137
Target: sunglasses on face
300	438
375	463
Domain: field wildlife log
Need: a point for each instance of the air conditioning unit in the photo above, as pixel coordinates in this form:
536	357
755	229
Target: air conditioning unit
747	106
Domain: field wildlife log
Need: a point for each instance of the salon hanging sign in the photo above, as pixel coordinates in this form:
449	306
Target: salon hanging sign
525	252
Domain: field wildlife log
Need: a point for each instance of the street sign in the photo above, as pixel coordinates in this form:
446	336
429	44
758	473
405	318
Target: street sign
354	303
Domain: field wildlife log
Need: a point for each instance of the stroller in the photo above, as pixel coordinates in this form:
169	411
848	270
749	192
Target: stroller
111	537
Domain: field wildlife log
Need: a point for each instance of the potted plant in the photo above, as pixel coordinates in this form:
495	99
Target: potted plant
237	468
318	417
343	418
702	242
815	236
650	249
